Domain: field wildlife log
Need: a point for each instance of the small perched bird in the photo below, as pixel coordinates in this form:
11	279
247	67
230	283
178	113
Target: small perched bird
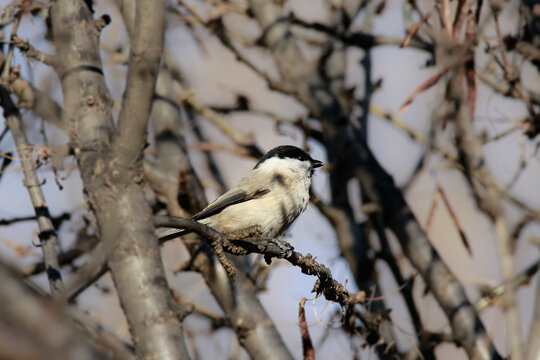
269	198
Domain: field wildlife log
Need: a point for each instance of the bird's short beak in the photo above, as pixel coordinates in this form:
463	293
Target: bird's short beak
316	163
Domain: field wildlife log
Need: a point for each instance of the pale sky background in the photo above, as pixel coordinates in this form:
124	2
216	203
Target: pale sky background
216	79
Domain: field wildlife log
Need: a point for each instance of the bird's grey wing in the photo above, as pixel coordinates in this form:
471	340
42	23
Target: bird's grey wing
230	198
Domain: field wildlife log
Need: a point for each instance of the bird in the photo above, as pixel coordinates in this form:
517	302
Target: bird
270	197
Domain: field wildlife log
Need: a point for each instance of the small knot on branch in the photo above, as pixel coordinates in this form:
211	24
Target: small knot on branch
31	52
102	22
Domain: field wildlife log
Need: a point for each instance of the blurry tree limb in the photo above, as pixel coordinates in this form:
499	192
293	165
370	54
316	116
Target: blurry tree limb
407	291
485	192
111	168
217	320
450	295
357	39
172	170
47	109
348	234
84	245
96	332
532	350
94	268
56	220
503	87
245	140
6	70
18	7
221	33
47	233
33	327
523	278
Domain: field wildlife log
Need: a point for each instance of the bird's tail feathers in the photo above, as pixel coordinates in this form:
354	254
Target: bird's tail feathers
171	234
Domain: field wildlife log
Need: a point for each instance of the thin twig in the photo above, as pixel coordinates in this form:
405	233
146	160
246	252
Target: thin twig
523	278
421	139
245	140
31	52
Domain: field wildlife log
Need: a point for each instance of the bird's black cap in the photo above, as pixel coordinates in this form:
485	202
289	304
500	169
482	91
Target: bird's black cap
291	152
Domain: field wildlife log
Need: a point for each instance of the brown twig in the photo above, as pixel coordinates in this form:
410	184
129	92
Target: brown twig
432	80
414	30
307	345
454	218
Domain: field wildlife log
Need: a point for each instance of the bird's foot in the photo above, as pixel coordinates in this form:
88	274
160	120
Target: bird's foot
285	247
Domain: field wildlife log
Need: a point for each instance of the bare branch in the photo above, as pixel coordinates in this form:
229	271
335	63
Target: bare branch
47	233
94	268
145	54
326	284
83	246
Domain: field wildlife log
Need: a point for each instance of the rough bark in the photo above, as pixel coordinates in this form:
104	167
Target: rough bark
111	168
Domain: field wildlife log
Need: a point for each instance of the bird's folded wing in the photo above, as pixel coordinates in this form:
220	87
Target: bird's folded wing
232	197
